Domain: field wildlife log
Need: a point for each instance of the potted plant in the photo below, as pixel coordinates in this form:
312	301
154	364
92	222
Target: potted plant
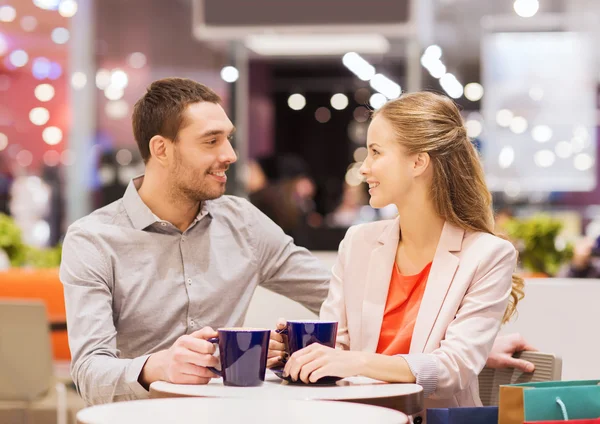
21	255
535	238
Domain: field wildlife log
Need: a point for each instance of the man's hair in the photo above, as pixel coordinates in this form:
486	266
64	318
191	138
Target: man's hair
161	110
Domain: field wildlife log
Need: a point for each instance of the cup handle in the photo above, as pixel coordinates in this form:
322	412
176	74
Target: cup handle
213	369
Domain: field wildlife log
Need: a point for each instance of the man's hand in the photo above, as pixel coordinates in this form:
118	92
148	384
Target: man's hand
504	347
277	346
183	363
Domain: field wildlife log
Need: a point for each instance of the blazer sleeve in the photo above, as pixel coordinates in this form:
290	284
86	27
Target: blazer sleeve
469	338
334	307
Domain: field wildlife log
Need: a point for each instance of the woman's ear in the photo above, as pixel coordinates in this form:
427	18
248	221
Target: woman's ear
421	163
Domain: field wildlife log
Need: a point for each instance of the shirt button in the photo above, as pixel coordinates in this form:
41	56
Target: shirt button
182	238
189	281
164	224
191	323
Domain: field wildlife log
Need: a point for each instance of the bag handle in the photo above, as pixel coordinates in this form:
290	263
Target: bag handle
563	408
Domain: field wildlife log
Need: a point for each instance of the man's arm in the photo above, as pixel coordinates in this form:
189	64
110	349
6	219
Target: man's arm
284	267
98	372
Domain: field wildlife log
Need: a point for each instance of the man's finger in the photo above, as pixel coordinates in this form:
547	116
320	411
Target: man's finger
198	345
205	333
186	356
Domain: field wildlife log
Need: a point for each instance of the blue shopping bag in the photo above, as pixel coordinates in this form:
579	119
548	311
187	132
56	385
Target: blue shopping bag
481	415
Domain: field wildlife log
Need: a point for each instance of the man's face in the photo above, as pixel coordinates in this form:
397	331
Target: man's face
202	153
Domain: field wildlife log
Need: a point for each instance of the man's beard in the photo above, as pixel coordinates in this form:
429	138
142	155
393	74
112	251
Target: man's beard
191	186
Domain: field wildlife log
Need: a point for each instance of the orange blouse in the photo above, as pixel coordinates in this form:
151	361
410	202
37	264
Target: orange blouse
401	309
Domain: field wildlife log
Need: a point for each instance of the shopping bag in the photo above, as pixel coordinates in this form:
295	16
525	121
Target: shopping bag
566	419
481	415
538	401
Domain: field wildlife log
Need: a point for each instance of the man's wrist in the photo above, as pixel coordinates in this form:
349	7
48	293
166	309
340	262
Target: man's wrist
152	370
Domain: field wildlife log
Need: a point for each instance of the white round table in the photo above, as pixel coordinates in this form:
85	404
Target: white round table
406	398
235	411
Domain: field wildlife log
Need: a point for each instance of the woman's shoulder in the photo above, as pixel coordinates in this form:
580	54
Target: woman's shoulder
370	231
487	244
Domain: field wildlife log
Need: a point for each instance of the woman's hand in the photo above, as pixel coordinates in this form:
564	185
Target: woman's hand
316	361
502	352
277	346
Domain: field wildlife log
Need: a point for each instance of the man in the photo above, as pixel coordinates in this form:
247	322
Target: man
147	277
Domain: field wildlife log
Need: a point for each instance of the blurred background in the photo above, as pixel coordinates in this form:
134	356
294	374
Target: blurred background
299	79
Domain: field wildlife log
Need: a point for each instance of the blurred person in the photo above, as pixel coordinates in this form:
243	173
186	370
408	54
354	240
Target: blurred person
149	277
420	298
6	180
585	262
256	179
287	197
348	211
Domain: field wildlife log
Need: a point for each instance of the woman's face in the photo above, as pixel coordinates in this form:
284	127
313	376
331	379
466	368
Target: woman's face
388	169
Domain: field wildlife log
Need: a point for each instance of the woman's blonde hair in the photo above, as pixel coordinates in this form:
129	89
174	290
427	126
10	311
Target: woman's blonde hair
426	122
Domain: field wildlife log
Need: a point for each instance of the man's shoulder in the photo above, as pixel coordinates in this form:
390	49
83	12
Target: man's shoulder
231	206
111	214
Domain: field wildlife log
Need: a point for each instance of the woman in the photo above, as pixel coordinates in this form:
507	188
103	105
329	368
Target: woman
420	298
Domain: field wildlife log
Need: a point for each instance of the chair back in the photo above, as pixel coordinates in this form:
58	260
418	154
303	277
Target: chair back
548	367
25	350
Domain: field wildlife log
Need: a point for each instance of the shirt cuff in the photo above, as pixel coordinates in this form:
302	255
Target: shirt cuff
424	368
132	375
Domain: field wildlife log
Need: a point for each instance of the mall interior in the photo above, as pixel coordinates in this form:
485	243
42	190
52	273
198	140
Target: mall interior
300	80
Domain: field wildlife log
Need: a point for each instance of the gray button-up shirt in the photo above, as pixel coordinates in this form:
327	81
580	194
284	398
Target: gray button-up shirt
133	284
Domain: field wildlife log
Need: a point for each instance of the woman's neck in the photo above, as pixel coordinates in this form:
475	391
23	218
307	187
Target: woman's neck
420	225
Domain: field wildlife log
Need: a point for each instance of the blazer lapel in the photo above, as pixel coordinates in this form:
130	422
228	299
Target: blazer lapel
381	263
440	278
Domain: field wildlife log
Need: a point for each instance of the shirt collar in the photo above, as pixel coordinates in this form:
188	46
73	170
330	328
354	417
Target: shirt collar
141	216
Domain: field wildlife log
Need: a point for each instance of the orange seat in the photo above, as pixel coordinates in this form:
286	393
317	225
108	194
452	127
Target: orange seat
42	284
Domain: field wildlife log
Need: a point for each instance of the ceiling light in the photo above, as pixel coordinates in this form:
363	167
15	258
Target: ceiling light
316	44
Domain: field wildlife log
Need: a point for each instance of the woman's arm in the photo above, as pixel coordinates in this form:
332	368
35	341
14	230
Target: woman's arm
316	361
468	339
334	307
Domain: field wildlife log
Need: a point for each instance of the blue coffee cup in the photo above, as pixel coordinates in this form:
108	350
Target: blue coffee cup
303	333
243	355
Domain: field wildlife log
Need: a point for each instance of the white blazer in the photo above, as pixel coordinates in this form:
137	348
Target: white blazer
460	315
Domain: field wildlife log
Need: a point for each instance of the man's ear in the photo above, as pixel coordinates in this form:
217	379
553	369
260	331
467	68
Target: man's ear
159	149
